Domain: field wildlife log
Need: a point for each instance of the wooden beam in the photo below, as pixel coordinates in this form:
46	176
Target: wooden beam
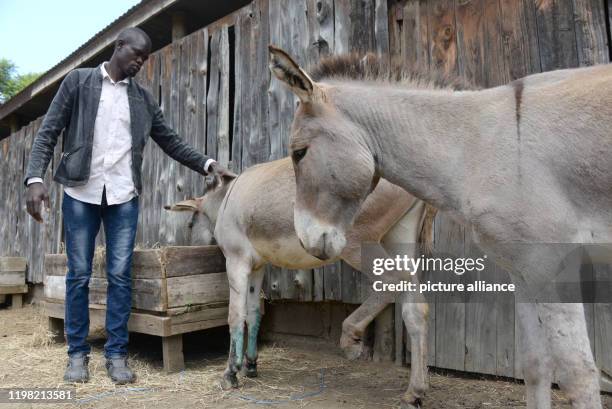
14	289
179	28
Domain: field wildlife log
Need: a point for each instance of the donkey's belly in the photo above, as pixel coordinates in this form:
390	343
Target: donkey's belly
286	252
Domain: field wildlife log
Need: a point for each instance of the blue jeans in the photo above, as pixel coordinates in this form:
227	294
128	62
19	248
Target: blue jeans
81	226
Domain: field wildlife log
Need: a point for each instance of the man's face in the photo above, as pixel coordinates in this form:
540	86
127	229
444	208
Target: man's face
132	54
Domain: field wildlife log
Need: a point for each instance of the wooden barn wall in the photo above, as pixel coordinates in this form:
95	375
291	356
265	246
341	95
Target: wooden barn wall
216	91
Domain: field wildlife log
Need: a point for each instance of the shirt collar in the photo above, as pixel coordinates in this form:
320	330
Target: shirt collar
106	75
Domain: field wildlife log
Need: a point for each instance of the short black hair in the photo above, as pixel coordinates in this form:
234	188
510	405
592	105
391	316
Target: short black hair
130	33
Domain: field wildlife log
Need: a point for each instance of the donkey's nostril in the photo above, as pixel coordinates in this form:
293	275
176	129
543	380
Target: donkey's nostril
301	243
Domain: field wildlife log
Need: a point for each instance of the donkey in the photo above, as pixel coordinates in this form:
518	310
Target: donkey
528	162
252	217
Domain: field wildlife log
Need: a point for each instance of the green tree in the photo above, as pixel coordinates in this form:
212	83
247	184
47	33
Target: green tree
11	82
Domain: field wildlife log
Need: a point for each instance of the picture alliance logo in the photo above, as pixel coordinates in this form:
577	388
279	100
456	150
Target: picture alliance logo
457	265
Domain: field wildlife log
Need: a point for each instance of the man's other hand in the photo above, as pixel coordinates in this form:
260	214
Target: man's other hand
219	172
36	193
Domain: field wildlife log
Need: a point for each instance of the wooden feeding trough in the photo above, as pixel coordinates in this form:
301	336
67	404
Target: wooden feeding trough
175	290
13	279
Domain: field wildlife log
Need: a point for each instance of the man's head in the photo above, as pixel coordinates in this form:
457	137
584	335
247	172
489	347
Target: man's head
132	49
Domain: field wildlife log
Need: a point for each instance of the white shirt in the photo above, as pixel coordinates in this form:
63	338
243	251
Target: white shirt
111	158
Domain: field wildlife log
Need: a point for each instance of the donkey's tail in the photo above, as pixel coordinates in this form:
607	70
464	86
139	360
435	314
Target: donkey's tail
426	233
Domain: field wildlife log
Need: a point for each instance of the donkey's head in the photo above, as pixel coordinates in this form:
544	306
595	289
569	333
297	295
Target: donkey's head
334	168
204	210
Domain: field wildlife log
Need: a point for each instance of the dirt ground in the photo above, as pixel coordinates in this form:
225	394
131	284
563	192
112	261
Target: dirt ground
289	377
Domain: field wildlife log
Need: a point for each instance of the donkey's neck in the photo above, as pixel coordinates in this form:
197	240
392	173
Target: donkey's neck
214	201
419	138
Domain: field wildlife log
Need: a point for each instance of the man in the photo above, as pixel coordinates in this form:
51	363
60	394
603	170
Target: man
107	118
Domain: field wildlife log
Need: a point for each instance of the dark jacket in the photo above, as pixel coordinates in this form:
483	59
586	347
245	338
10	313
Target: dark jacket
74	108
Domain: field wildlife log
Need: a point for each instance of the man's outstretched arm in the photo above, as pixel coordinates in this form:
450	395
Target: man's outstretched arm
181	151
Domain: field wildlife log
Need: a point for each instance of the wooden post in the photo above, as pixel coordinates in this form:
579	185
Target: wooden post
16	301
178	25
172	348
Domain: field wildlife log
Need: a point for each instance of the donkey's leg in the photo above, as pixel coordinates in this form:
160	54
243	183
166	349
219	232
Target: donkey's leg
238	276
253	320
354	327
415	312
575	367
535	357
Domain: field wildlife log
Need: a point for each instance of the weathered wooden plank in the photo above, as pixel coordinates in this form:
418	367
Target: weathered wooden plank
351	284
55	287
192	260
236	149
12	278
197	289
12	264
520	38
318	285
470	40
332	282
200	67
480	320
556	34
146	78
591	35
450	308
381	27
505	346
272	284
413	34
223	136
212	97
146	293
138	322
197	326
145	264
166	168
296	285
13	289
496	71
443	35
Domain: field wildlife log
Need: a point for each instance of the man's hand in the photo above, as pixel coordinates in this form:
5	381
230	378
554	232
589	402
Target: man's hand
219	173
35	195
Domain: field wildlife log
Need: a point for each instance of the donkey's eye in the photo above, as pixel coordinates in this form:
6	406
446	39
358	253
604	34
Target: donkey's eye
299	154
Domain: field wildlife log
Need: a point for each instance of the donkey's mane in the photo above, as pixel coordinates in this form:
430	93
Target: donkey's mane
370	67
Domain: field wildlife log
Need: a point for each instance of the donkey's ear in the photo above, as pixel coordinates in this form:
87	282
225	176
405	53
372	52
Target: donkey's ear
190	205
289	72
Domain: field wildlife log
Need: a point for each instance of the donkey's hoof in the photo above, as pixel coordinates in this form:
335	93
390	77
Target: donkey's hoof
229	381
411	404
250	369
251	372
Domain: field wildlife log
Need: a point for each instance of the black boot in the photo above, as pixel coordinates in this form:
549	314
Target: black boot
77	369
119	371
